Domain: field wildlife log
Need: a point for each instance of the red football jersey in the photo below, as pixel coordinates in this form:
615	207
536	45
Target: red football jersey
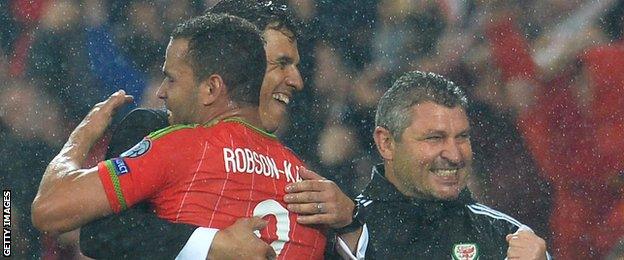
211	175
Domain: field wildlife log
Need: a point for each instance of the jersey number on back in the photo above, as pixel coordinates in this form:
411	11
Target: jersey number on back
272	207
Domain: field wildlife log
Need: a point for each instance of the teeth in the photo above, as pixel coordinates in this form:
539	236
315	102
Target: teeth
281	97
445	173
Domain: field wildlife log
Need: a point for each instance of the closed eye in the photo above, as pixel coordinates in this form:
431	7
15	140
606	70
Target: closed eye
434	138
168	76
464	135
284	61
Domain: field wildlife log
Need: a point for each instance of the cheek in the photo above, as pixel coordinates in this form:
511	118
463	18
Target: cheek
467	153
416	167
425	155
265	96
265	90
271	80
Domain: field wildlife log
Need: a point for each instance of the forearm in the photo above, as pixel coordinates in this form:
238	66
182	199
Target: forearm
52	207
66	165
69	196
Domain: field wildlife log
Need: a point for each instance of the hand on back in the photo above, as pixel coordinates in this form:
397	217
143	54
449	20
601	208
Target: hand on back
239	242
319	201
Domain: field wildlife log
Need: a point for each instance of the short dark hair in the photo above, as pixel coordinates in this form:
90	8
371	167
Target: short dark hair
228	46
264	14
412	88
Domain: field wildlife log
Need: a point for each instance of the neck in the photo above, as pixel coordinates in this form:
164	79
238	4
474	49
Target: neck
248	113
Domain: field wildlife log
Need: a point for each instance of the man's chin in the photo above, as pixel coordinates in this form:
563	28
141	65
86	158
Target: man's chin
272	123
447	194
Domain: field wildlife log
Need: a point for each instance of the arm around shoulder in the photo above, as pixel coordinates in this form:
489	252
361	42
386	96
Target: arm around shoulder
69	196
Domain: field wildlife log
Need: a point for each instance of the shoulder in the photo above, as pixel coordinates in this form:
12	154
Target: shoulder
140	122
191	133
133	127
174	140
145	117
179	140
174	131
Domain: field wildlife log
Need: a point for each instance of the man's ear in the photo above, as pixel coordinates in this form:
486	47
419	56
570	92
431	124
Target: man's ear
211	89
385	142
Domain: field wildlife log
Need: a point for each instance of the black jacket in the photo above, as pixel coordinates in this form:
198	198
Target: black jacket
406	228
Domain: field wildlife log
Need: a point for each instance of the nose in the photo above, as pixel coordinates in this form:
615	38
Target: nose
294	79
161	93
453	153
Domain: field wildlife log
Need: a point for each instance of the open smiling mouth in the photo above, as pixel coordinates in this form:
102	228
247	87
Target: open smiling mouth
445	172
281	98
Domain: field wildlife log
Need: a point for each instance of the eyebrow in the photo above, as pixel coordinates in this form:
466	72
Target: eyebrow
434	132
285	59
467	131
440	132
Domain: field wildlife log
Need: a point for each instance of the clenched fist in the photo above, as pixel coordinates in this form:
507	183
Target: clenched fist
524	244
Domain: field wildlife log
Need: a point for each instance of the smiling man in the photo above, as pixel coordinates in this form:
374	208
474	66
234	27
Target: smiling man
282	76
417	205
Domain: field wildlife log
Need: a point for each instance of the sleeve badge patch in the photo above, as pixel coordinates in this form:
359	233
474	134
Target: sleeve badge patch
139	149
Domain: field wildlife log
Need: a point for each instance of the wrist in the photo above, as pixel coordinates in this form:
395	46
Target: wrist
199	245
88	131
355	223
214	248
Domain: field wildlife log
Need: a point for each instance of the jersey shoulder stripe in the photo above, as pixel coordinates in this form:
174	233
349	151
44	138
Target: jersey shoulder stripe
245	123
170	129
167	130
481	209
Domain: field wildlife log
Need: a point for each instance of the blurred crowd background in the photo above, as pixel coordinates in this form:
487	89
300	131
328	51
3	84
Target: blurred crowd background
546	79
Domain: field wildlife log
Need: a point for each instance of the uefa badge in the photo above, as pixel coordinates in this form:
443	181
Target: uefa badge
465	252
137	150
